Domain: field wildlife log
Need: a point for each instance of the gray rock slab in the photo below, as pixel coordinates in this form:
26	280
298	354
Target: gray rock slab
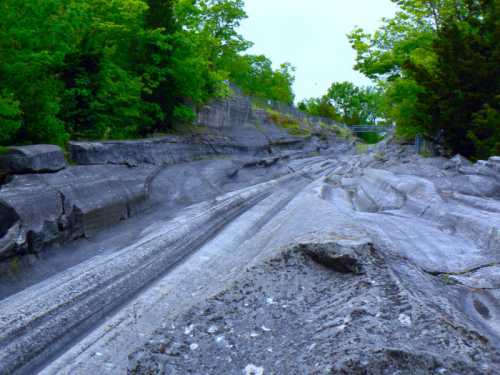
33	159
77	201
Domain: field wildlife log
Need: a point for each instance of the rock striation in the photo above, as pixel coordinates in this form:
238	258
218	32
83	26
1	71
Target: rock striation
329	262
111	181
246	249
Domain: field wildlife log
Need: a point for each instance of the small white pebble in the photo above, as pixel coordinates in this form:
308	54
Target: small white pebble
212	329
254	334
269	301
188	329
265	329
98	354
405	320
193	346
253	370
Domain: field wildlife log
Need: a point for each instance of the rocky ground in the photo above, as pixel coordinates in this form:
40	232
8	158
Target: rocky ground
317	308
403	281
247	250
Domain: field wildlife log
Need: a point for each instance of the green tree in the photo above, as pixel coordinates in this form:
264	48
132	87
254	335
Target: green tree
10	116
381	56
104	69
356	105
256	77
461	92
438	62
319	107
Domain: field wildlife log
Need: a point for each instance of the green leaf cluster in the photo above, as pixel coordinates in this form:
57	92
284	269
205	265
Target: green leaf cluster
113	69
438	62
347	103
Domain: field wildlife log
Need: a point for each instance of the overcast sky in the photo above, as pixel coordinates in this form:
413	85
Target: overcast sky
311	34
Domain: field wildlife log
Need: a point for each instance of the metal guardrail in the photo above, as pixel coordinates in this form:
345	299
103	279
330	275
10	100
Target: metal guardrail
370	128
425	146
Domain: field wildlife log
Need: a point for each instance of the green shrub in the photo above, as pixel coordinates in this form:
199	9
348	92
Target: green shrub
289	123
370	138
184	114
362	148
342	132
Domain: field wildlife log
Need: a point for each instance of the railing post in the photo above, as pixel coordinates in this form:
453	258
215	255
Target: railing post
418	143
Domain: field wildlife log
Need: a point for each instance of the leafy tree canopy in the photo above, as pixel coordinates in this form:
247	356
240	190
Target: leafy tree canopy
104	69
438	62
347	103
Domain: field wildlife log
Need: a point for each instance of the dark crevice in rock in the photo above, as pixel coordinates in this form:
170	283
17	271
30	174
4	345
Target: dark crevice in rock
338	256
8	218
462	273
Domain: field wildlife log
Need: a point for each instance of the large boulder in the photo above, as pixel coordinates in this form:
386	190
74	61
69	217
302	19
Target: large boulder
33	159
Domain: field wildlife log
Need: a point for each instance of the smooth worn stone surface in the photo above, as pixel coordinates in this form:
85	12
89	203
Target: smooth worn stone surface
75	202
275	254
354	250
33	159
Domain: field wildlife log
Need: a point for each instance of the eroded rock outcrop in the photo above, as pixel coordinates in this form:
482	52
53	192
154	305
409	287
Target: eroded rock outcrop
339	263
33	159
112	180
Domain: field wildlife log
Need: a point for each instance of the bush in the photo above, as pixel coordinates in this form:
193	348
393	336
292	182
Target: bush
184	114
370	138
289	123
485	132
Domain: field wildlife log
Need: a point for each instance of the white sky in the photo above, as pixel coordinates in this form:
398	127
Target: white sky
311	34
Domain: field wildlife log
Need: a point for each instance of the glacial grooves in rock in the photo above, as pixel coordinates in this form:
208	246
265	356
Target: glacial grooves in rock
280	255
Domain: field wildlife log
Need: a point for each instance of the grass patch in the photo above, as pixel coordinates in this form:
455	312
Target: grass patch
289	123
15	265
362	148
370	138
340	131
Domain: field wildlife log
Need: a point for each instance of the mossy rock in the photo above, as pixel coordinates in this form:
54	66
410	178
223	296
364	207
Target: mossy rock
291	124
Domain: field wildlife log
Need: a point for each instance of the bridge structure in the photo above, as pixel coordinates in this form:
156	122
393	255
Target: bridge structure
380	129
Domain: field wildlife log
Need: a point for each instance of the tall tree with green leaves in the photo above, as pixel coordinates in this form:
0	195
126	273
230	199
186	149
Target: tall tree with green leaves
381	56
461	96
320	107
97	69
438	62
356	105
